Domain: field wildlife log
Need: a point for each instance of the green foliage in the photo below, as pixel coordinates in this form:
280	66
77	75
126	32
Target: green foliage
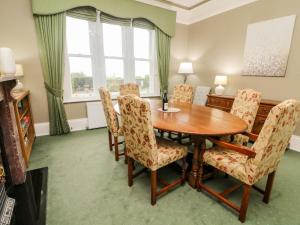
81	82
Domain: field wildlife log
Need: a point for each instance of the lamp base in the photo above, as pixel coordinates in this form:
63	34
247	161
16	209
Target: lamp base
18	87
219	90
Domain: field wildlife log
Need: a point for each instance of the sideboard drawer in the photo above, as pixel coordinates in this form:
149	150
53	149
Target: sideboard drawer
220	102
264	109
225	103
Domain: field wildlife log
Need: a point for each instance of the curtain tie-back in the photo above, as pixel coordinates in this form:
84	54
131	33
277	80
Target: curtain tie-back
53	91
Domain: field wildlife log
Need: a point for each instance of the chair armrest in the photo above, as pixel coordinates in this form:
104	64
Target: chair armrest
240	149
251	136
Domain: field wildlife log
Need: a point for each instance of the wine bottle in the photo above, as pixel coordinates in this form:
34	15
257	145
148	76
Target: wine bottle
165	101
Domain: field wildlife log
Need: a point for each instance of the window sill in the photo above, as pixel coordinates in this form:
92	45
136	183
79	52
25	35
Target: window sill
96	99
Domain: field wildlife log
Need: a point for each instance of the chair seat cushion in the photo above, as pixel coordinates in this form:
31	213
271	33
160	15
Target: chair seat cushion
228	161
169	152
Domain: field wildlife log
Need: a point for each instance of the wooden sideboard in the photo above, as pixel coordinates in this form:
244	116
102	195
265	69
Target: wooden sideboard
224	102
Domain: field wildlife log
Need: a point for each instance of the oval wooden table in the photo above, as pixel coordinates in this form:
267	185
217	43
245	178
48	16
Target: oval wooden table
198	121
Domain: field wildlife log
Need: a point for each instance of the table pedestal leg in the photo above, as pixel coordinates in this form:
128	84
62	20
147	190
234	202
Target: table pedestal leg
200	164
195	163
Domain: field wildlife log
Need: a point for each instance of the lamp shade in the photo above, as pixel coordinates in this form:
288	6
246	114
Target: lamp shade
19	70
186	68
7	61
220	80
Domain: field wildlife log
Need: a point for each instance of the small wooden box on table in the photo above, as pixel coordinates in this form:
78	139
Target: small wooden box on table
25	122
224	102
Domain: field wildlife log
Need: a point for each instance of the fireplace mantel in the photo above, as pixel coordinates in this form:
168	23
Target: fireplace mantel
10	132
5	79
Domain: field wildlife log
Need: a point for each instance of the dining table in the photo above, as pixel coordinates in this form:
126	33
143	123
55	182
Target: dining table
197	121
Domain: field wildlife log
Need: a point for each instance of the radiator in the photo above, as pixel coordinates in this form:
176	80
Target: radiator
95	115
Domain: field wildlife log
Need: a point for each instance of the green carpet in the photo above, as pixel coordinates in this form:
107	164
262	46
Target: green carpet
87	187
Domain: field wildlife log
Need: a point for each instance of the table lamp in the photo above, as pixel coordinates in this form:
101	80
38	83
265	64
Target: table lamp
220	80
7	62
185	68
19	73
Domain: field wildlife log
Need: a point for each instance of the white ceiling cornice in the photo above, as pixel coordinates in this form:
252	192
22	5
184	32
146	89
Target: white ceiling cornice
203	10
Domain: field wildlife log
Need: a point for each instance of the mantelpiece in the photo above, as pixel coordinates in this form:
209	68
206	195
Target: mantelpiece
10	132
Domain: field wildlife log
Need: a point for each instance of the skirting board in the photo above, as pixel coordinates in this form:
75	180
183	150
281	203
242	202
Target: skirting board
42	129
295	143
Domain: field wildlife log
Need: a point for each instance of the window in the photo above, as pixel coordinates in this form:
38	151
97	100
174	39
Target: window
104	54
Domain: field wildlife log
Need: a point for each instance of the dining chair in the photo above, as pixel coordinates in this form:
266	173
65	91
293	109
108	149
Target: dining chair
143	147
114	130
245	106
129	88
183	93
249	165
200	96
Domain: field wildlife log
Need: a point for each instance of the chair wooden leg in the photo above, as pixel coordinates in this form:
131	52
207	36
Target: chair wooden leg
125	153
245	202
180	138
116	148
130	171
269	186
110	141
153	186
161	133
183	176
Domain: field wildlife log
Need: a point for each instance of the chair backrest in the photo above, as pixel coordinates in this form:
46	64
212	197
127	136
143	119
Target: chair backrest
138	130
110	114
200	96
273	138
245	106
183	93
129	89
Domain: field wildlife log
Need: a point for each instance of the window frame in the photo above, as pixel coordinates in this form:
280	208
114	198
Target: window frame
98	63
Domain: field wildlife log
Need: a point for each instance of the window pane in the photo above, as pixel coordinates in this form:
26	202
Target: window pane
141	43
114	74
81	75
112	40
142	75
78	41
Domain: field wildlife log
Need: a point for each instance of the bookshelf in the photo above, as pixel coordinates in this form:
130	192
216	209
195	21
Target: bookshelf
25	122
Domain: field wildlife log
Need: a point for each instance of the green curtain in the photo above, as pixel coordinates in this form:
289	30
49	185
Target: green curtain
84	13
106	18
163	18
163	42
142	23
51	38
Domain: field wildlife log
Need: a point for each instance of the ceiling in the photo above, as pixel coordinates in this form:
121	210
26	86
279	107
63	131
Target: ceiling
186	4
191	11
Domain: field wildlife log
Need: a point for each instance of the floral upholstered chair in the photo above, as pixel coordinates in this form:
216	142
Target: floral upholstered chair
249	165
183	93
130	89
142	145
112	121
245	106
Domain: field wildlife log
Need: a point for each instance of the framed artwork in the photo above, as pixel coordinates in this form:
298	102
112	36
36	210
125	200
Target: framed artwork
267	47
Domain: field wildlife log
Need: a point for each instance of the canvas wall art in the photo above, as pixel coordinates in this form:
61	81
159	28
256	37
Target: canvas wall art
267	47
